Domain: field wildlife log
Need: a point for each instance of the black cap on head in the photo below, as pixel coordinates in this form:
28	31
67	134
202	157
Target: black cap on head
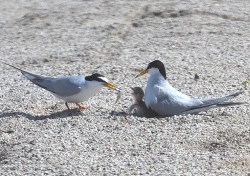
96	77
158	64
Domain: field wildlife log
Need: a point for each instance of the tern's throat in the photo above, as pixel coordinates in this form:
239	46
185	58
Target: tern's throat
92	87
156	78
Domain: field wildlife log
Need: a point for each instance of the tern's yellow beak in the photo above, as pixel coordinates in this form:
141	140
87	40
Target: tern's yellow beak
142	73
111	86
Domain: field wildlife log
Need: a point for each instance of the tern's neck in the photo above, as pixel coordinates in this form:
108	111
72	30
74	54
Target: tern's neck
93	87
157	78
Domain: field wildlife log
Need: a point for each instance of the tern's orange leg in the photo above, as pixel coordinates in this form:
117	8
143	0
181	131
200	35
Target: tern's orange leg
80	106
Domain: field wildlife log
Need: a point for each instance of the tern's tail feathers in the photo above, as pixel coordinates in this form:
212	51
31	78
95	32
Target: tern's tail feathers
214	103
206	108
36	79
225	104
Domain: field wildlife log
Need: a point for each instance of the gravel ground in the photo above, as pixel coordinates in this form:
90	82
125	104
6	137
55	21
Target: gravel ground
210	38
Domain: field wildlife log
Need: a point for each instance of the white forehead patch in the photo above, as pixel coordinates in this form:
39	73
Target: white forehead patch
104	79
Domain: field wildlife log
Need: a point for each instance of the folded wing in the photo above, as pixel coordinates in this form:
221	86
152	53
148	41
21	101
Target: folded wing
62	86
213	103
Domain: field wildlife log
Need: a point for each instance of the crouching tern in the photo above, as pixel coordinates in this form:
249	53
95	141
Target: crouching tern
164	99
71	89
139	108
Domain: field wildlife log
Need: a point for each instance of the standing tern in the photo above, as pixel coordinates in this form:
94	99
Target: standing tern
139	108
164	99
71	89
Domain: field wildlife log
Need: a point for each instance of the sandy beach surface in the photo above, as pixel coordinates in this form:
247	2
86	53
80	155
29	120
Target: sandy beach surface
209	38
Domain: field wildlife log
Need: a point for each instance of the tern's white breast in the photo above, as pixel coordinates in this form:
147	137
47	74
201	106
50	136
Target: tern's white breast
88	89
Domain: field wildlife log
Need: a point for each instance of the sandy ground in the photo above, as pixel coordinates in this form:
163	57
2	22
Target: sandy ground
210	38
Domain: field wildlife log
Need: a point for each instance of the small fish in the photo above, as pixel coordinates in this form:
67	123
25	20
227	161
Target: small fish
245	84
119	94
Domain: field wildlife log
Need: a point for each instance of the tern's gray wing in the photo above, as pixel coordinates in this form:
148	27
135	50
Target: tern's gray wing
172	102
168	101
213	103
62	86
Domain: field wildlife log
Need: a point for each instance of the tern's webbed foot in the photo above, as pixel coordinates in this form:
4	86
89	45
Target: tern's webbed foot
81	107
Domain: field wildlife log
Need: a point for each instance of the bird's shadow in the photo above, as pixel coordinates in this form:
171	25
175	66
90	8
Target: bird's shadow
118	113
124	114
56	115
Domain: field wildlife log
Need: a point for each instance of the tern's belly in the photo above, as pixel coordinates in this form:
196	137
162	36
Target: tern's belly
79	97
